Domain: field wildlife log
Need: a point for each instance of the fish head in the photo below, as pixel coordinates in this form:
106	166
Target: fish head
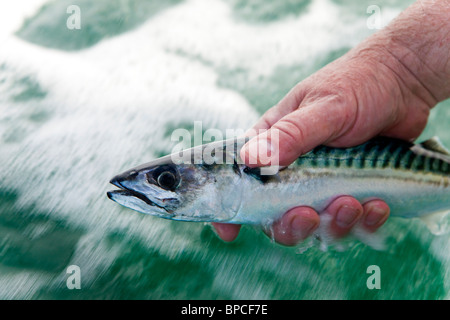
186	191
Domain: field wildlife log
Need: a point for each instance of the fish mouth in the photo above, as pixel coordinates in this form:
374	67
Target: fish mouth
129	193
126	192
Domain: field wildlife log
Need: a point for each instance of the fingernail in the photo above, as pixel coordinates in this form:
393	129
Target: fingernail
259	151
302	226
346	216
375	216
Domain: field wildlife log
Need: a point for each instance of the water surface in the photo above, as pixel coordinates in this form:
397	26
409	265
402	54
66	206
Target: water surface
79	106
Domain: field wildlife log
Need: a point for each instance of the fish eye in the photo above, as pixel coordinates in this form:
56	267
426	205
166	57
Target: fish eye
167	180
165	176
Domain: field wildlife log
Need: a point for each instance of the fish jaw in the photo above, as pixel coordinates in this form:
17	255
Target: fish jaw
128	196
137	202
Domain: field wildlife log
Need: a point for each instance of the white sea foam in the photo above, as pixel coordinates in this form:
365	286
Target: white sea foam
109	106
13	13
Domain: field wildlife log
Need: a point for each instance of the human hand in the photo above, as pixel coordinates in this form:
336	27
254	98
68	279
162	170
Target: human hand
299	223
381	87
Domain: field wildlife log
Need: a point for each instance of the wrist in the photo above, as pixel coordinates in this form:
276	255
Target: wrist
415	50
418	42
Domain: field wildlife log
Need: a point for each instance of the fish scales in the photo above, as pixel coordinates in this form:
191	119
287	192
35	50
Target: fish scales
379	153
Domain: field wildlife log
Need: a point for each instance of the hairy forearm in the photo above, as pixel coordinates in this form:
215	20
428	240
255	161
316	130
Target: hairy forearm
422	34
416	46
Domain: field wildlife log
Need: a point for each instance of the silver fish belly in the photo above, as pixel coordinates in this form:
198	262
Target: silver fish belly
413	179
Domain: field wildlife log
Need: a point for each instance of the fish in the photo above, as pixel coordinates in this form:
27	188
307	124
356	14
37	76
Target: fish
211	183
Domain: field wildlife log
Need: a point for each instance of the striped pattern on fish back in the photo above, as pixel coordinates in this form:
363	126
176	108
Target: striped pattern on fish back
378	153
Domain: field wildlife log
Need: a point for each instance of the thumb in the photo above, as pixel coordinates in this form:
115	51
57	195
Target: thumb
295	134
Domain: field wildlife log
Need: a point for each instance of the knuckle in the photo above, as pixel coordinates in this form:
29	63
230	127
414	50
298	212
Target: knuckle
291	134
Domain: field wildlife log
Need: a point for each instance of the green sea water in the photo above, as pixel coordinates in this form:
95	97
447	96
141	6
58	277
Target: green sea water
78	106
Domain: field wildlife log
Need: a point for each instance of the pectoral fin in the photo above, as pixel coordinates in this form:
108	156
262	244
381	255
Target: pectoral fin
438	223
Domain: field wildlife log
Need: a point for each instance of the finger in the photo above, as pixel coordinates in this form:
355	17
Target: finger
296	134
289	103
227	232
345	211
376	212
269	118
296	225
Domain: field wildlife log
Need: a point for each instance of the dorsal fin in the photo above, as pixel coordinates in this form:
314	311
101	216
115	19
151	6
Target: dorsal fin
434	144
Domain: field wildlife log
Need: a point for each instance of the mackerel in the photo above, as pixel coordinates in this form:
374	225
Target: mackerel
413	179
